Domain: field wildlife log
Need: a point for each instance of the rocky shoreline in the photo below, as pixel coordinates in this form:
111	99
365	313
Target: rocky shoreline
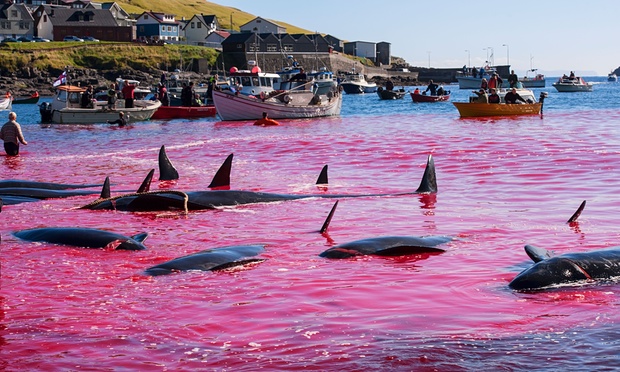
28	80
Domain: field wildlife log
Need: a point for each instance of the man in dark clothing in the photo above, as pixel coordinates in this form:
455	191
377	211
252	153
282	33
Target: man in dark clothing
513	97
432	87
87	97
513	79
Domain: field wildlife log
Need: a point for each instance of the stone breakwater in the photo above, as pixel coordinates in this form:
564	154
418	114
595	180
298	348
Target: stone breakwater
29	80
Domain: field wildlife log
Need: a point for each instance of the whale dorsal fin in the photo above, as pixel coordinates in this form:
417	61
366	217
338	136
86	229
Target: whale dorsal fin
428	184
329	218
167	171
222	176
105	190
146	184
140	237
577	212
322	180
537	254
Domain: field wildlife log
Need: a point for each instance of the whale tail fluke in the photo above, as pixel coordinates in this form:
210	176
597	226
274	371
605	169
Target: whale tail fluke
167	171
428	184
322	180
329	218
105	190
222	176
577	213
146	184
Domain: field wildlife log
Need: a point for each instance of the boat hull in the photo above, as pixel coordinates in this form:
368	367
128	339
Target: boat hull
142	110
26	100
572	87
6	103
183	112
354	88
468	110
239	107
391	94
424	98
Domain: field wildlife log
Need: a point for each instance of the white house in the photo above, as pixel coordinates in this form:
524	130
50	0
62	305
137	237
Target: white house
214	40
16	21
199	27
262	26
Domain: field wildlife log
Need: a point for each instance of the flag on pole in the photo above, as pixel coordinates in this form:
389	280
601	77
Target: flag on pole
61	79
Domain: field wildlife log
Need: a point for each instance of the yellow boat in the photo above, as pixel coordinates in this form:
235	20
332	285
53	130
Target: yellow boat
470	110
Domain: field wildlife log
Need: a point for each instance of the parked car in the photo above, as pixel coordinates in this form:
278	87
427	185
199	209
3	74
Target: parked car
10	40
90	38
40	40
25	39
72	38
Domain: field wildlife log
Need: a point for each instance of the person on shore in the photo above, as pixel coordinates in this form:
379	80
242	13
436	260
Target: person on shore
432	87
11	133
481	96
128	94
112	97
121	121
512	97
513	79
494	97
265	121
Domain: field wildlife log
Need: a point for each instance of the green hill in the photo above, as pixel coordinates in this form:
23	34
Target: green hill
188	8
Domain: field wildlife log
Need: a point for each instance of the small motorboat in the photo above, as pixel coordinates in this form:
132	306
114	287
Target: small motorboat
475	109
33	98
572	84
183	112
355	83
390	94
418	98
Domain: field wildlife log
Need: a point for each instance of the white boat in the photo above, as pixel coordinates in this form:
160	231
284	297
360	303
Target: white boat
612	77
468	81
253	82
323	81
572	84
537	81
6	103
355	83
65	108
277	104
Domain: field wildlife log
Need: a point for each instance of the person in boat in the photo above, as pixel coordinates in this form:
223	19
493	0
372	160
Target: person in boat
121	121
389	85
416	91
128	94
493	81
265	121
482	96
112	97
494	97
211	86
484	84
163	96
440	91
474	71
87	98
513	97
572	75
12	135
432	87
513	79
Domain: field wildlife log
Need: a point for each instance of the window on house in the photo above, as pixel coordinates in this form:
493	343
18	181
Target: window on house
145	17
288	47
141	29
272	48
163	28
169	28
258	21
239	46
45	18
199	25
192	25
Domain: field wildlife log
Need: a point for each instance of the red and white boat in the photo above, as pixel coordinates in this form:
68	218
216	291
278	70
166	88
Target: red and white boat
183	112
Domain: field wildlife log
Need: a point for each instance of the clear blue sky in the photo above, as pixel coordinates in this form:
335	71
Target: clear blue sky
553	36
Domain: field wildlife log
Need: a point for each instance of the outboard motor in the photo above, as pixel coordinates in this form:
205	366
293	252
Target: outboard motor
542	97
45	109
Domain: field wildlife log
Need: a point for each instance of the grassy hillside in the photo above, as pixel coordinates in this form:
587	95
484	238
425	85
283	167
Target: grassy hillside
188	8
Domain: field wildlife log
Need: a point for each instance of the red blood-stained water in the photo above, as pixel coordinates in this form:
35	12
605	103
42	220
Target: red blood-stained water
503	183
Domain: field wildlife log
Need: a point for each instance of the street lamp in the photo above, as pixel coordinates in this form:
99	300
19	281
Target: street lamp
468	58
507	54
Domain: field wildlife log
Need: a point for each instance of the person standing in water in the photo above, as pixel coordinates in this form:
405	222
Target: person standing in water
11	133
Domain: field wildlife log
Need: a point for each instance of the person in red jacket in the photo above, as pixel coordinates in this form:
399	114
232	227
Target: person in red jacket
128	94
